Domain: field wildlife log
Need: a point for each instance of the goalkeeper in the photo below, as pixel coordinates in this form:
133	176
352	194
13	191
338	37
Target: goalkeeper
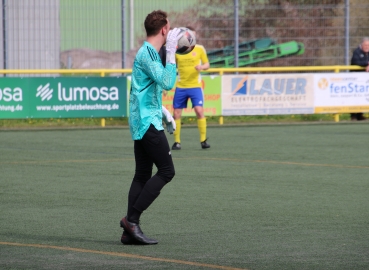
149	78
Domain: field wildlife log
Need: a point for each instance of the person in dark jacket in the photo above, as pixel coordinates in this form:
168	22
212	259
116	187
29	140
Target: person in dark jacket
360	57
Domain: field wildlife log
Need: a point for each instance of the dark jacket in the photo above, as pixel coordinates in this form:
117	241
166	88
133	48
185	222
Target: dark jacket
360	58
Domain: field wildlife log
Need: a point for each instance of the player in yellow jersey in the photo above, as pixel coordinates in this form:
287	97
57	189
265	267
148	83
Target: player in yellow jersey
189	86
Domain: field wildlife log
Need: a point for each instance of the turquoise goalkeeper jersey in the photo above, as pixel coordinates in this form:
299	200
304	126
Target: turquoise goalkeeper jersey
149	78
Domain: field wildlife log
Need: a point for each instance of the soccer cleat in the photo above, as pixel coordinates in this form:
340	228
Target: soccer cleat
134	230
126	239
176	146
205	145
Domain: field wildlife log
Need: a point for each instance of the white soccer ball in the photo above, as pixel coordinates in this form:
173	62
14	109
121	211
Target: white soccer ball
187	42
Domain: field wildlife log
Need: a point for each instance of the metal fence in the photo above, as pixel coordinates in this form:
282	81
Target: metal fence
51	34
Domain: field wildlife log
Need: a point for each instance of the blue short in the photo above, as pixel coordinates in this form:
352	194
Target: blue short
182	95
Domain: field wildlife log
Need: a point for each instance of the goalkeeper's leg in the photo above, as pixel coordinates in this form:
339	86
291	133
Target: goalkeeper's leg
143	190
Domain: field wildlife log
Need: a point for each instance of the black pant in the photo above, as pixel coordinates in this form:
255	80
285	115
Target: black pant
152	149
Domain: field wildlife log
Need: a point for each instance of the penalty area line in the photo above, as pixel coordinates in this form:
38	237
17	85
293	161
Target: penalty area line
119	254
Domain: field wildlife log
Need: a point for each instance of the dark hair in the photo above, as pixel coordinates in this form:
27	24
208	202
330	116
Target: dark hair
155	21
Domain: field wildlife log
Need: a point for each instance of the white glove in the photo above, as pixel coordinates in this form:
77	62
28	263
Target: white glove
168	120
172	44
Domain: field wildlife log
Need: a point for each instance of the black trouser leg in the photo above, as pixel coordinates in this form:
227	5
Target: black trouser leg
134	193
149	193
153	148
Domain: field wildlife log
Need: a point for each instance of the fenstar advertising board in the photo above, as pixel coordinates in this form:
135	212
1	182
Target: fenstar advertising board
267	94
341	92
211	86
63	97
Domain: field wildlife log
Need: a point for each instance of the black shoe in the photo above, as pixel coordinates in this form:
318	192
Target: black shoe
205	145
127	239
176	146
134	230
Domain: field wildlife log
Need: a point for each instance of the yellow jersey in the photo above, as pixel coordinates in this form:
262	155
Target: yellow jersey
188	76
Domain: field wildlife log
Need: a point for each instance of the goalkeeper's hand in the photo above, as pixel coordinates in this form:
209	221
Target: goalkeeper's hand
168	120
172	43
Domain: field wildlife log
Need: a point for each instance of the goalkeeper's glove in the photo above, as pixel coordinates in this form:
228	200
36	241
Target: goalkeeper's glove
172	43
168	120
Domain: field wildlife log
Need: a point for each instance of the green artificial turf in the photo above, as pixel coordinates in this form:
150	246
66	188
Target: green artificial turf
262	197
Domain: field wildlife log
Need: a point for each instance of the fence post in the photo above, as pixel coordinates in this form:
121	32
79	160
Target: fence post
221	120
336	117
347	31
236	34
4	36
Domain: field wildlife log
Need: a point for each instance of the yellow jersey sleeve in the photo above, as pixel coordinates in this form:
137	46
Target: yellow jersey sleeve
188	76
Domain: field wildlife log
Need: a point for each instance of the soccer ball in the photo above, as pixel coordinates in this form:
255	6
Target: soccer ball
187	42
